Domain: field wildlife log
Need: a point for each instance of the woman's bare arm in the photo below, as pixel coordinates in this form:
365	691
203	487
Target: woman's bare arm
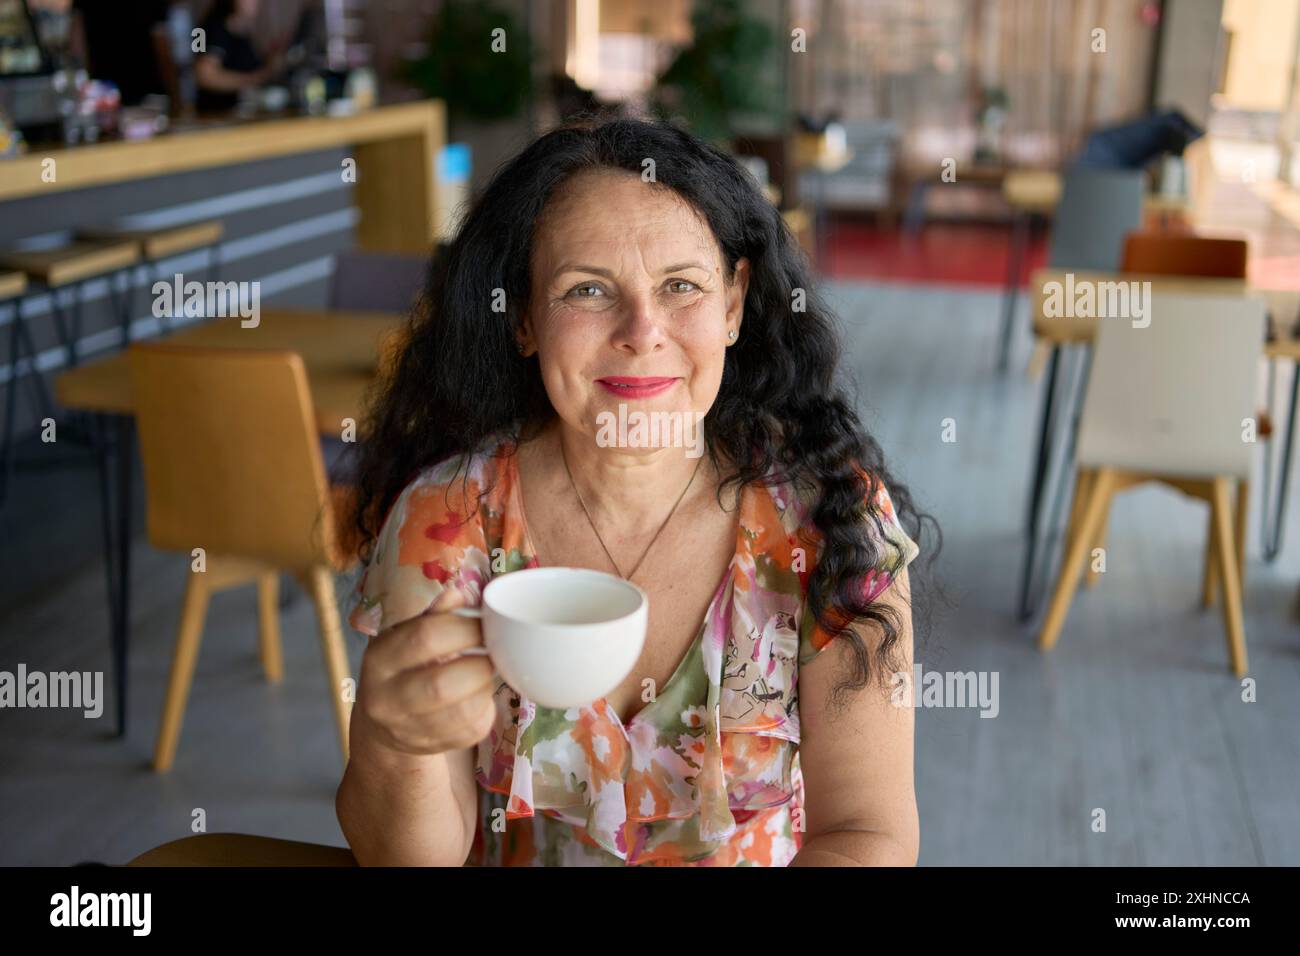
858	766
408	795
399	809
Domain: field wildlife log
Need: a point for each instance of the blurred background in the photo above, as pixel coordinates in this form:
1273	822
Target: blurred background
259	187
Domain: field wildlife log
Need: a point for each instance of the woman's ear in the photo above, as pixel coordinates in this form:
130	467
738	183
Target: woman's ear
736	291
524	337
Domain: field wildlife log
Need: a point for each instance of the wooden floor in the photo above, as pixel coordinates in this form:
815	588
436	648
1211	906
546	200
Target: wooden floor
1135	713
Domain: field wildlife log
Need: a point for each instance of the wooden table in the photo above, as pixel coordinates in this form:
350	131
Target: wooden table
341	353
339	350
1060	332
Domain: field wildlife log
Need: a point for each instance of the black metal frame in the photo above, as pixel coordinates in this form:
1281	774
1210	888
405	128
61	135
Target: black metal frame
115	452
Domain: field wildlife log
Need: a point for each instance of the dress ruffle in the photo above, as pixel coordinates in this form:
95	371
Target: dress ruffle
635	795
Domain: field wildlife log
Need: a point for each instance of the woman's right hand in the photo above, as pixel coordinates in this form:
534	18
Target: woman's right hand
419	693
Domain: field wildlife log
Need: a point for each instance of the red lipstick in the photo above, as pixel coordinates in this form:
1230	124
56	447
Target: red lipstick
632	386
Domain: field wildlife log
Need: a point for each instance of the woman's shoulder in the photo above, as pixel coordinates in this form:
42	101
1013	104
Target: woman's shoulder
462	480
794	507
433	537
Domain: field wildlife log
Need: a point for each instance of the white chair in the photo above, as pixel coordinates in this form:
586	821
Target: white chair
1167	403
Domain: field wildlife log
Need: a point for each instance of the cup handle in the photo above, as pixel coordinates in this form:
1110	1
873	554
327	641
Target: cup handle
476	613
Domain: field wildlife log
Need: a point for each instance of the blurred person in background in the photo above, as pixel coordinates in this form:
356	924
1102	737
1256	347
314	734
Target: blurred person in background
230	63
126	44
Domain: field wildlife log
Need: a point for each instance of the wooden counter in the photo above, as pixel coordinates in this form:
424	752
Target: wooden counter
394	147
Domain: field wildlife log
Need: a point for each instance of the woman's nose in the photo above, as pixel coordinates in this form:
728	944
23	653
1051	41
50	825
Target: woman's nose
641	328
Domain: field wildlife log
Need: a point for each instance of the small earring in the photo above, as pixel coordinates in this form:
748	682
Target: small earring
731	336
522	349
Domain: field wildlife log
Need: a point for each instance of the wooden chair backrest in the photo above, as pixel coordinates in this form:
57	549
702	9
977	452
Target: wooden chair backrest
232	461
1157	254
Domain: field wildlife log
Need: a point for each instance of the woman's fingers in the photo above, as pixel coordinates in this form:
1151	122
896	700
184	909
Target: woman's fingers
441	687
421	640
426	683
448	600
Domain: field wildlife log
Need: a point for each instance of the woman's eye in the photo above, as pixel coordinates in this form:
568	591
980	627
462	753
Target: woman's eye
588	290
681	285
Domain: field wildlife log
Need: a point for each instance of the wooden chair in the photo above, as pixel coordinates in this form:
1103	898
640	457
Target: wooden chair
1166	403
243	849
1161	254
378	281
1202	257
232	465
1096	210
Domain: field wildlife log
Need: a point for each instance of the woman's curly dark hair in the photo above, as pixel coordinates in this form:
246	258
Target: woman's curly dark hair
780	409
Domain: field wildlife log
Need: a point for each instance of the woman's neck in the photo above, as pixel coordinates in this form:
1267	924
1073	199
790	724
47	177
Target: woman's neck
629	490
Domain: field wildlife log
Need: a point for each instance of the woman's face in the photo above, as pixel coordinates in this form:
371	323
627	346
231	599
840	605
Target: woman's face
630	304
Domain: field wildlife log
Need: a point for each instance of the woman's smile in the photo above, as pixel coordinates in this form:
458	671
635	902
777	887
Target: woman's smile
632	386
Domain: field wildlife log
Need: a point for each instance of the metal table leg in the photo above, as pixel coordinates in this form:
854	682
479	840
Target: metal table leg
1072	402
1274	513
1039	481
115	455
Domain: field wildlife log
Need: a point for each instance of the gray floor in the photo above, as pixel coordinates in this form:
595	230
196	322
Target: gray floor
1135	713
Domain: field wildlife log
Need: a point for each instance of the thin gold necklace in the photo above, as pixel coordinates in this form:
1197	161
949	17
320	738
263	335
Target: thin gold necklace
591	521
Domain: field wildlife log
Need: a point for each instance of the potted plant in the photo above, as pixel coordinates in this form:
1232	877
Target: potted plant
479	62
725	72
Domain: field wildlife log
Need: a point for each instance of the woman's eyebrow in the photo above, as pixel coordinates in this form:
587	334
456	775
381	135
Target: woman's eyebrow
579	267
608	274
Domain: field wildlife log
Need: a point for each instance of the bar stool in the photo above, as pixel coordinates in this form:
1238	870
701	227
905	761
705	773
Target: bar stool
54	269
156	245
72	266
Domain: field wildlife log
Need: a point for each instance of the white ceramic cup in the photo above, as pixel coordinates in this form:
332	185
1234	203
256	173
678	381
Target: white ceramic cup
563	637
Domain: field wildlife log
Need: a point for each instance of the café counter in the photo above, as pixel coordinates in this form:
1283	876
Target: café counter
394	148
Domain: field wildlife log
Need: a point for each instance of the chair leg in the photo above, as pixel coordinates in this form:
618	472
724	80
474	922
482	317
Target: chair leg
1209	573
1221	508
1099	493
268	626
1037	360
1082	485
320	582
1090	576
184	658
1239	531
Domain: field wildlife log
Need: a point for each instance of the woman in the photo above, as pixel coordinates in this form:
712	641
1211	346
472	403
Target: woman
629	264
229	63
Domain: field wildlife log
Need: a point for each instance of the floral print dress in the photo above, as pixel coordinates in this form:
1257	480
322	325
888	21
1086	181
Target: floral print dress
706	773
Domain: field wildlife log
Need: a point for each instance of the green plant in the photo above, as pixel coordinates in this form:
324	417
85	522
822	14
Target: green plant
479	61
725	70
